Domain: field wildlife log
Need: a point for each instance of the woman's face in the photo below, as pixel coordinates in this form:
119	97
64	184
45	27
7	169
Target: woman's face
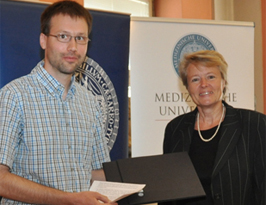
205	84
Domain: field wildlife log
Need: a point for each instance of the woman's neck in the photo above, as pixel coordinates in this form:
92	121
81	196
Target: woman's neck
210	117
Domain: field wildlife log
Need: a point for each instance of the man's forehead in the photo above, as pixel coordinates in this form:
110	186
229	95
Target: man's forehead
65	21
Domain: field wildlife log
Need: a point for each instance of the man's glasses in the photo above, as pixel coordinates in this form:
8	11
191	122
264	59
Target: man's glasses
65	38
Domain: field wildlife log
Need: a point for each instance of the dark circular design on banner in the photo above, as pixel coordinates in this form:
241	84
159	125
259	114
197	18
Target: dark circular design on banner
188	44
91	75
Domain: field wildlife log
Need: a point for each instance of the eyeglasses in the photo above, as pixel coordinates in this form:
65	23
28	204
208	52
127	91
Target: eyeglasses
65	38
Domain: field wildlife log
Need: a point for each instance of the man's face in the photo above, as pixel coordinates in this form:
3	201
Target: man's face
62	59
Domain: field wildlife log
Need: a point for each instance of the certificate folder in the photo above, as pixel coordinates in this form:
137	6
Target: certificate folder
167	177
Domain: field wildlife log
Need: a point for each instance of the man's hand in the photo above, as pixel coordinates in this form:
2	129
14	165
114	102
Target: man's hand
89	198
20	189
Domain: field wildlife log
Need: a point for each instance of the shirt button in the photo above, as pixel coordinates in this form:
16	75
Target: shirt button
217	196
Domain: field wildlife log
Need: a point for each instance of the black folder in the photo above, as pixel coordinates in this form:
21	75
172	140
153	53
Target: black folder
167	177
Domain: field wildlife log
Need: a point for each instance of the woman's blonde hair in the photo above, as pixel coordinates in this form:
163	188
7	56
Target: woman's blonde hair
208	58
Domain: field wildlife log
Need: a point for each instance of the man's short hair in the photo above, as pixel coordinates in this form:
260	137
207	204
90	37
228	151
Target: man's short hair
66	7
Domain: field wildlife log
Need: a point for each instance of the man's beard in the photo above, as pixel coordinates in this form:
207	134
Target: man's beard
65	67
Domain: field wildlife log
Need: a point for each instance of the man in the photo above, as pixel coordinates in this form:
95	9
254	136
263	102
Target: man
51	136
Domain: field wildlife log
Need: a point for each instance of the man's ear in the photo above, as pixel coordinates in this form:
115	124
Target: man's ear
43	40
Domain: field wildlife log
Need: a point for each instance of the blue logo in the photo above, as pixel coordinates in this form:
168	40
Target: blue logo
91	75
188	44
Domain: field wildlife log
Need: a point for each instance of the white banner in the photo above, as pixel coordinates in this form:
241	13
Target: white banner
157	93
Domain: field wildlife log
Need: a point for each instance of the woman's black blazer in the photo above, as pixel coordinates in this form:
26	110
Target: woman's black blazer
238	176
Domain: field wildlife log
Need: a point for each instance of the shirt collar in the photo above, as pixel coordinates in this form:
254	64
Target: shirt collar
53	86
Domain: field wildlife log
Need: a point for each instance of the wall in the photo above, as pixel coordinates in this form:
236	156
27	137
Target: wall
200	9
224	10
171	9
263	23
246	10
52	1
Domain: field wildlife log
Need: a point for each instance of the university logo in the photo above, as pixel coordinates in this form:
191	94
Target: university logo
188	44
91	75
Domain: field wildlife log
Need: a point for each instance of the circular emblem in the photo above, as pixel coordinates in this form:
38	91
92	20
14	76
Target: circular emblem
188	44
91	75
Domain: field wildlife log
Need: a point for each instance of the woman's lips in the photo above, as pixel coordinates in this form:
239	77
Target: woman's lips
205	93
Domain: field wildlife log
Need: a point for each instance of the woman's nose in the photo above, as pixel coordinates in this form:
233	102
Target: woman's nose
204	82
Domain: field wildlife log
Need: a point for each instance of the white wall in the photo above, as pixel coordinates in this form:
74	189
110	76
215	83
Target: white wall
133	7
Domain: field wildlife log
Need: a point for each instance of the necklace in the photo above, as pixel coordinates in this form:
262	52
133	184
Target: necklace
207	140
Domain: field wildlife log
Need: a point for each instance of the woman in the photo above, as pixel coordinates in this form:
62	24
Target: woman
226	145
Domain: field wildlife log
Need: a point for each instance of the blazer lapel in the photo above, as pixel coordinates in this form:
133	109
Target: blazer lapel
189	129
185	133
230	133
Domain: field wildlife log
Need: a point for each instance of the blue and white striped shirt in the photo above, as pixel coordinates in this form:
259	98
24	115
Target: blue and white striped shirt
48	140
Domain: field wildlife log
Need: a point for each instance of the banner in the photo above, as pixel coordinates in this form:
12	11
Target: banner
157	92
106	69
